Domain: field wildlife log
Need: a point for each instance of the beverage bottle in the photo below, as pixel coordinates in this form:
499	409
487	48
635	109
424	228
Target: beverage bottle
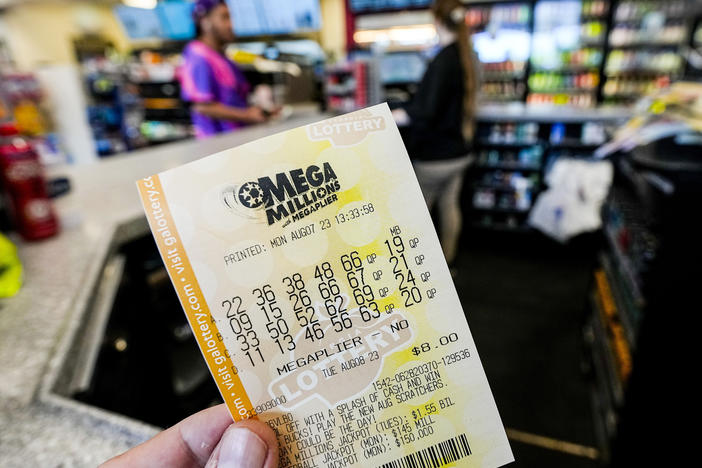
22	177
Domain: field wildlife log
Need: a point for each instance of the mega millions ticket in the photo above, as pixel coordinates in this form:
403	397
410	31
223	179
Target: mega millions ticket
313	279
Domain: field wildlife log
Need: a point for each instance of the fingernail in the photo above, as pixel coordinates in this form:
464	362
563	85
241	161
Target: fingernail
241	448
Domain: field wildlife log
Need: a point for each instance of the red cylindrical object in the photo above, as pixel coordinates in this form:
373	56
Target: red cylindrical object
23	180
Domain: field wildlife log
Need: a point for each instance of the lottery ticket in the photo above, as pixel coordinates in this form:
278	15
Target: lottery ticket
312	277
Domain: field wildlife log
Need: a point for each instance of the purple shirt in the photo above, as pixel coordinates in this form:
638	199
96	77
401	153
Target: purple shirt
208	76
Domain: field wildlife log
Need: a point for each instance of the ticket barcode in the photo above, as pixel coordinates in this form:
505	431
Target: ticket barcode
435	456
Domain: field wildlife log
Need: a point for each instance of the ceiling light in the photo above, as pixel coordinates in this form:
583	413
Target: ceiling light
146	4
417	34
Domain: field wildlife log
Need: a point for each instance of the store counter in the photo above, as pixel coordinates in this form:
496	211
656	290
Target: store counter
68	281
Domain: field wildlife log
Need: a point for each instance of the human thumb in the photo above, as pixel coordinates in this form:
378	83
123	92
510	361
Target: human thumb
242	447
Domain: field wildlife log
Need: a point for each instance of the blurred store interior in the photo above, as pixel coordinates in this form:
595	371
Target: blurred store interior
578	258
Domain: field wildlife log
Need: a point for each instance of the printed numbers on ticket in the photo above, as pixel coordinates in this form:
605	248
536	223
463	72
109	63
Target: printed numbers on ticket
314	282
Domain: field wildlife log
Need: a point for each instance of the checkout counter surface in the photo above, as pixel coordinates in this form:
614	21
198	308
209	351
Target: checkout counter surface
38	327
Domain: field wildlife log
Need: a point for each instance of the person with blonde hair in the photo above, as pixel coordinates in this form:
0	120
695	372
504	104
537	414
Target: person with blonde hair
440	118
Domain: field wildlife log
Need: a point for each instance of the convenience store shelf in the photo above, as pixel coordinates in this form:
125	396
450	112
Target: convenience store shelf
497	187
502	227
625	267
502	75
567	69
574	144
604	360
500	144
499	98
629	312
564	90
645	45
640	72
500	209
507	167
518	112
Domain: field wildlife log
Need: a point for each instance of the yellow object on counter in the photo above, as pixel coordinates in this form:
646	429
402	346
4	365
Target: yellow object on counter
312	277
29	119
10	268
242	57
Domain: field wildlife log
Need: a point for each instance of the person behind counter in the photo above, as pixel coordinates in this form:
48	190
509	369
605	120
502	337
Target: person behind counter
440	118
210	81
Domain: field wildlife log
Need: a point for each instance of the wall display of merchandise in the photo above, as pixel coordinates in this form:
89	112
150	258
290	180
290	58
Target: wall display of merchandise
697	36
603	52
165	116
645	45
353	85
694	65
512	160
369	6
650	251
134	101
501	37
110	108
22	101
566	71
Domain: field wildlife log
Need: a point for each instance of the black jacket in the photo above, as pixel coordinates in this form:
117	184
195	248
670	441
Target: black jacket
436	110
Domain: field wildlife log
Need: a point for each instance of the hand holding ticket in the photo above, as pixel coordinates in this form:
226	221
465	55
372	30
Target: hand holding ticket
311	275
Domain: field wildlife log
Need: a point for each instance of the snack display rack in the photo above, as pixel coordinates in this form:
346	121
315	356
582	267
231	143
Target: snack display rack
605	52
567	71
644	48
503	80
645	270
513	150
